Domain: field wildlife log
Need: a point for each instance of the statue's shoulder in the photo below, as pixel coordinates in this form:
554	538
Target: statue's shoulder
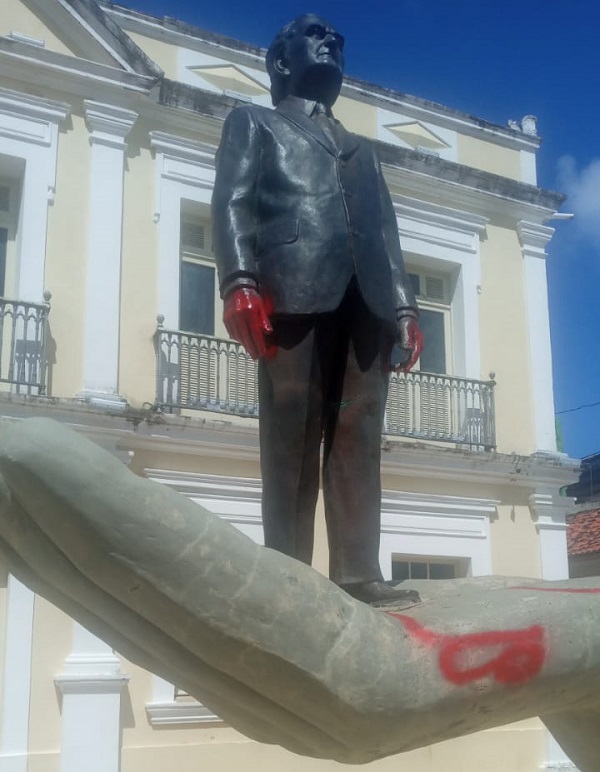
250	113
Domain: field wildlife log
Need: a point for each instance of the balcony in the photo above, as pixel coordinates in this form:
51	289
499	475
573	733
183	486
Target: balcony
443	408
199	372
23	345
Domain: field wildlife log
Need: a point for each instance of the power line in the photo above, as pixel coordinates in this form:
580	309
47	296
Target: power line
580	407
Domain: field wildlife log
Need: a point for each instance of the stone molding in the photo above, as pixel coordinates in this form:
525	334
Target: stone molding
30	119
108	125
170	713
534	238
29	127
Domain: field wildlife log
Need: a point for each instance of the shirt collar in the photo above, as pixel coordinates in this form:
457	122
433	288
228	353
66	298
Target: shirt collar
307	105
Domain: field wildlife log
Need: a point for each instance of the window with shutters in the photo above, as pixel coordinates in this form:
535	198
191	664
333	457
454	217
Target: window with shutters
197	293
433	296
214	373
198	363
421	404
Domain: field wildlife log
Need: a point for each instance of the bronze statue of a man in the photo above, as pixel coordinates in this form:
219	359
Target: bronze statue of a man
314	286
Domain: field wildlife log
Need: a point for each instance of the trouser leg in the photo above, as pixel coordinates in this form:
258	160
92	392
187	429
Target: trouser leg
352	450
290	437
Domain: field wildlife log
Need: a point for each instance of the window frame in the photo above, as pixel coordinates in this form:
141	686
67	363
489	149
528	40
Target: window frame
198	216
437	526
9	222
442	307
461	565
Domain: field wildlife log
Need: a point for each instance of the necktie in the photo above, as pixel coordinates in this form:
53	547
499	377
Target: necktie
326	122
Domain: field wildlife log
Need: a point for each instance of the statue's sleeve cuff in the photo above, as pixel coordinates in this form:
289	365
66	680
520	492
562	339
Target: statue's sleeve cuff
238	282
410	311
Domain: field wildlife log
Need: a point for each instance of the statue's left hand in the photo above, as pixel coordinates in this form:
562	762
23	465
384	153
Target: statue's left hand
246	320
410	338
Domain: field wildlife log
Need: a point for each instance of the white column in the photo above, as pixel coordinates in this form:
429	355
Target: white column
108	128
16	678
533	239
91	684
550	513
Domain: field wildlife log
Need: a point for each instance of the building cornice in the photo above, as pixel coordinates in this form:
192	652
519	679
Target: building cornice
180	33
471	190
410	459
407	171
208	436
440	115
42	67
187	35
173	93
93	31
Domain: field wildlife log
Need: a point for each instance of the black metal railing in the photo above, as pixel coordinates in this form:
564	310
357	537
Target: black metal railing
445	408
23	345
201	372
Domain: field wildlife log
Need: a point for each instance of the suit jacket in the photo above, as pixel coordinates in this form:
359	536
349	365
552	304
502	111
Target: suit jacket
302	213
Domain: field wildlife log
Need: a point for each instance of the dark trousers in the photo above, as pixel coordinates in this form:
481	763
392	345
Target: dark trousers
327	381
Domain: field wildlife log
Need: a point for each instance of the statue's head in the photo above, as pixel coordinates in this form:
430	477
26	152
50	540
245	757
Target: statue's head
306	59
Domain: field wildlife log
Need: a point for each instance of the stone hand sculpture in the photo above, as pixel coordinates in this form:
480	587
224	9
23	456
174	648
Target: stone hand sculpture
314	286
186	595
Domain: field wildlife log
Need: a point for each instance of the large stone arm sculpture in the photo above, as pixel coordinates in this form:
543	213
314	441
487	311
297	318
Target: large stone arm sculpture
276	649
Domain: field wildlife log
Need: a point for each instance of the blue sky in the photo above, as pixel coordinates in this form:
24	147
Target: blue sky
498	61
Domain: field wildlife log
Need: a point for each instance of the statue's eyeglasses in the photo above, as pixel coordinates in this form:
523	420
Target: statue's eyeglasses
319	32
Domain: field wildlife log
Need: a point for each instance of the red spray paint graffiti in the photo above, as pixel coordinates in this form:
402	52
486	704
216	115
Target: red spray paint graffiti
516	656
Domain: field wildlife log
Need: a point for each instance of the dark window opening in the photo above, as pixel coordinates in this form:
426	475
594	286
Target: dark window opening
404	567
3	243
197	298
433	358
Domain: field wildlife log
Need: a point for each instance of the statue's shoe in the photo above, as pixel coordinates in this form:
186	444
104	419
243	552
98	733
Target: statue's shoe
382	594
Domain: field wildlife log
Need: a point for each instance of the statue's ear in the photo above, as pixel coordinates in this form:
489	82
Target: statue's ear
281	66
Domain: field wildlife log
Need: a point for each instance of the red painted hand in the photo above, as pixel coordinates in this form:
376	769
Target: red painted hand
411	340
246	320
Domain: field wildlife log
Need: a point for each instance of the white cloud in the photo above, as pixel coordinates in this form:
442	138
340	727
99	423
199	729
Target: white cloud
582	187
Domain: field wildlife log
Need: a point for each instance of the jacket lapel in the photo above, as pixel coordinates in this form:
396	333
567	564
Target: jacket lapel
296	115
348	142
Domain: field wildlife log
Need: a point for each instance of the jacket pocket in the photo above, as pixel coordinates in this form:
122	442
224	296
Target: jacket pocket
272	235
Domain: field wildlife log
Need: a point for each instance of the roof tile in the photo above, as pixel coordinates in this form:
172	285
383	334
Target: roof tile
583	533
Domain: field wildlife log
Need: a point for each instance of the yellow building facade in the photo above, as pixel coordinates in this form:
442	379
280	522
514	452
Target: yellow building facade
110	323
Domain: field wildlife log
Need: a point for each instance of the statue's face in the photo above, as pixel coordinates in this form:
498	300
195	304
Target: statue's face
314	57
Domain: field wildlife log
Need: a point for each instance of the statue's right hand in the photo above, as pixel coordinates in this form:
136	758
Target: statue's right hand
246	320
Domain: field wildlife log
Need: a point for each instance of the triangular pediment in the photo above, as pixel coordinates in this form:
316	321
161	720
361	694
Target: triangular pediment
230	78
415	134
77	28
